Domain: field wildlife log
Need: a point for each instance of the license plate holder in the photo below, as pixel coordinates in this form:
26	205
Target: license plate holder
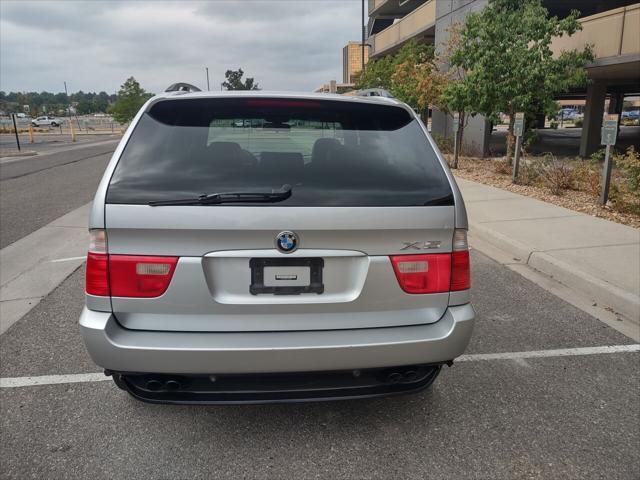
258	286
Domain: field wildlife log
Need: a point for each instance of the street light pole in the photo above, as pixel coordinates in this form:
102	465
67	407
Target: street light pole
363	30
207	69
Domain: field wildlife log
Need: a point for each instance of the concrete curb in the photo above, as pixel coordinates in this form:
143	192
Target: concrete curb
600	291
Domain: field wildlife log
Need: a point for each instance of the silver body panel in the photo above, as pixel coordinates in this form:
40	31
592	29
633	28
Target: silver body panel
115	348
208	322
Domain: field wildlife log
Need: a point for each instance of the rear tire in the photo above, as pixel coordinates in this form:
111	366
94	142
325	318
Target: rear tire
54	124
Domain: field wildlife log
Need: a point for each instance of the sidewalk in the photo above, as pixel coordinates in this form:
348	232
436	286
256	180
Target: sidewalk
596	257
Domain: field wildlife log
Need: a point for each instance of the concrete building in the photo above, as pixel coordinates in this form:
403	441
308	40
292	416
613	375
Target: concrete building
334	87
352	61
611	26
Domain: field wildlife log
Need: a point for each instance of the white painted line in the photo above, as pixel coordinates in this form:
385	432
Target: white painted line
564	352
68	259
52	380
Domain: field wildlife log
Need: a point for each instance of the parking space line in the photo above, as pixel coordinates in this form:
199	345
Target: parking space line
52	380
70	259
13	382
562	352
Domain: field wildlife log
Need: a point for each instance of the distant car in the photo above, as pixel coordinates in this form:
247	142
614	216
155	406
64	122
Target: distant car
631	115
45	122
569	114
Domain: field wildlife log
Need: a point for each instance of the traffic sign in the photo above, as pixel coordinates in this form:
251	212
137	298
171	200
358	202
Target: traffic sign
518	125
609	130
456	122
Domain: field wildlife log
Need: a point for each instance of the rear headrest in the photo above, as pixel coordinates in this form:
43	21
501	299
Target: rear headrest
285	165
229	155
323	148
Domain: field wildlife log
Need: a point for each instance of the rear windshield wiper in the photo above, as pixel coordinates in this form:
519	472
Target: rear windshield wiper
230	197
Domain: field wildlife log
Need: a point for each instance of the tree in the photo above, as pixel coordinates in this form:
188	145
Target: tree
131	97
234	81
507	61
458	93
411	75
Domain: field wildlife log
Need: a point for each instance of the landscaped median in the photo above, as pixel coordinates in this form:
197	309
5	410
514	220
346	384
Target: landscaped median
596	257
571	183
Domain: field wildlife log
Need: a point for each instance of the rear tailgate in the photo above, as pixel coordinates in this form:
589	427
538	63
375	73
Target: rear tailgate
365	182
209	290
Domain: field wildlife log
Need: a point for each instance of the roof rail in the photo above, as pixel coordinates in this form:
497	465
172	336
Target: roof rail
182	87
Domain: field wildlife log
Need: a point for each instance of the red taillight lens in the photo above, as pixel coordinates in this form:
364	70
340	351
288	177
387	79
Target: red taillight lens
140	276
429	273
97	276
460	271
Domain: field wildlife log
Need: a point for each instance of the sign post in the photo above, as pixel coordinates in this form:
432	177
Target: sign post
518	130
608	138
15	129
456	127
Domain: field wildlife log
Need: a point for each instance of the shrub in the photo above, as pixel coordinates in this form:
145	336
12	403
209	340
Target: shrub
556	174
445	144
529	173
501	167
624	191
578	123
588	176
629	166
553	124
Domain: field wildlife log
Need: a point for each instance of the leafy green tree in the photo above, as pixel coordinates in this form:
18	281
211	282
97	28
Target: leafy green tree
508	64
234	81
411	75
131	97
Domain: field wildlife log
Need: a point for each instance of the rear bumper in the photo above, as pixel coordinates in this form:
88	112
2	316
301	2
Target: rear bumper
115	348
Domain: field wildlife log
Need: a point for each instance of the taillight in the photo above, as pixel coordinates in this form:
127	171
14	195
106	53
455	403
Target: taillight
97	275
435	272
460	263
125	275
140	276
429	273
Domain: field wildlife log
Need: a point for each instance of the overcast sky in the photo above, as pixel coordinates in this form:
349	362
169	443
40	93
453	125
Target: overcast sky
95	45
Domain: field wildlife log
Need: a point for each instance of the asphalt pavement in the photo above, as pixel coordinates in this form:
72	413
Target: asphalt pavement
538	413
49	142
554	417
36	190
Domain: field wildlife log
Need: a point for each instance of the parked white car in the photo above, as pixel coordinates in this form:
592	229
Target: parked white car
45	122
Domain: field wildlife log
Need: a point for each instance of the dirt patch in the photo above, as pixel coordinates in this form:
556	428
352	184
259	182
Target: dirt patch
496	173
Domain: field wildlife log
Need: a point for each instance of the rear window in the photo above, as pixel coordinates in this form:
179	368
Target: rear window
331	153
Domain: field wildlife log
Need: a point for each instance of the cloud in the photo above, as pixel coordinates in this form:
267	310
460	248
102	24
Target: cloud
96	45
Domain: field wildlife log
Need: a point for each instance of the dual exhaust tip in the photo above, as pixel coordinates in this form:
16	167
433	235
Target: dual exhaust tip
168	385
405	376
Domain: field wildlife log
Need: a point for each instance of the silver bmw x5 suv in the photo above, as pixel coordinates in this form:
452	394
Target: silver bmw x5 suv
256	247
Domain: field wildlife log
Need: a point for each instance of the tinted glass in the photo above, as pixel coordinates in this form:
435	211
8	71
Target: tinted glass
330	152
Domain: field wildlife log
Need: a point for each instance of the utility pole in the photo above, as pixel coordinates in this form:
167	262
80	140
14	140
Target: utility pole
68	104
15	129
363	32
207	69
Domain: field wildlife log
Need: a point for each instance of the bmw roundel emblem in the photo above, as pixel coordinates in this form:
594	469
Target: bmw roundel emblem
287	241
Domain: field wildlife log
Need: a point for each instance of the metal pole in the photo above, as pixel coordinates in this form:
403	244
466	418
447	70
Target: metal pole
516	161
15	129
363	31
606	177
207	68
68	104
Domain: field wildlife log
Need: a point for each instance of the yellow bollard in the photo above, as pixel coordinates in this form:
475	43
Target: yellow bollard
73	132
31	133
